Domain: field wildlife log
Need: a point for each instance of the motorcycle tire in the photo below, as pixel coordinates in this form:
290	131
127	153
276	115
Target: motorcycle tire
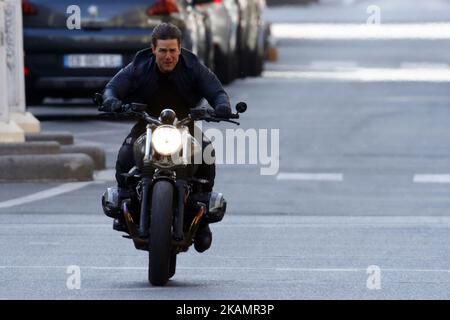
160	233
172	265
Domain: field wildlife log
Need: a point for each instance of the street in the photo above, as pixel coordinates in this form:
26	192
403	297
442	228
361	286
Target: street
359	207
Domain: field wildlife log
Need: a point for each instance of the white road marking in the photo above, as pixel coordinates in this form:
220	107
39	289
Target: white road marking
423	65
239	268
341	31
432	178
218	226
310	176
351	64
331	64
362	75
55	225
41	195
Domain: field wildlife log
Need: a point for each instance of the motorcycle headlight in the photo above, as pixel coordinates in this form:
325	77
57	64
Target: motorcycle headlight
166	140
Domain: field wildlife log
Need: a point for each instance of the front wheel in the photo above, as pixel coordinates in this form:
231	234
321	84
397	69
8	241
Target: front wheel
172	265
160	233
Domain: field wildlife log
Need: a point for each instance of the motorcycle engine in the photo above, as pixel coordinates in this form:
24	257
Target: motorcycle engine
110	202
216	205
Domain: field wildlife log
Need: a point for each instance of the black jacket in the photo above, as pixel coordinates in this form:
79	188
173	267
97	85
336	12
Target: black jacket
137	82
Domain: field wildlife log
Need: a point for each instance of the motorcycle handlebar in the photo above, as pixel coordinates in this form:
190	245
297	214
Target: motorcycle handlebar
139	109
201	114
198	114
234	116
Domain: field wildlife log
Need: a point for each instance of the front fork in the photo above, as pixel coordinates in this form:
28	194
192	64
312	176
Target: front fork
181	187
144	221
180	241
182	193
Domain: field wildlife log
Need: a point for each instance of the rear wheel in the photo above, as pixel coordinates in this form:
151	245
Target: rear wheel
160	233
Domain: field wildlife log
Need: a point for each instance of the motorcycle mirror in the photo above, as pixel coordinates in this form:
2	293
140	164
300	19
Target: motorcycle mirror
241	107
98	99
138	107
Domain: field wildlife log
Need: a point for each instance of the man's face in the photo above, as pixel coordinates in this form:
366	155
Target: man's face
167	53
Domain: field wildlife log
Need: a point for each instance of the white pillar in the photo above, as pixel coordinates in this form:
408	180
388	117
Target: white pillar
3	99
15	69
9	130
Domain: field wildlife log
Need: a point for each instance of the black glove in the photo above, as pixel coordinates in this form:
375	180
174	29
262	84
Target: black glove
222	111
111	105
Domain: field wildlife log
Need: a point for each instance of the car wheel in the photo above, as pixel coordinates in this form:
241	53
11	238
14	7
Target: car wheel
33	99
255	59
224	66
255	64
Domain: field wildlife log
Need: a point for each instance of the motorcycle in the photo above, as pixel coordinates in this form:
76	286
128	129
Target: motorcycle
166	203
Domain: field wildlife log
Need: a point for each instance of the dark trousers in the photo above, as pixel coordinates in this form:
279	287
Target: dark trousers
125	160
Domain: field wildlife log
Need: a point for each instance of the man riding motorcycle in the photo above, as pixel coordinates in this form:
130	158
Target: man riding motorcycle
165	76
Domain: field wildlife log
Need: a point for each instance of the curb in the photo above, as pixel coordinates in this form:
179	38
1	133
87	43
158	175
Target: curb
64	138
52	167
44	147
96	153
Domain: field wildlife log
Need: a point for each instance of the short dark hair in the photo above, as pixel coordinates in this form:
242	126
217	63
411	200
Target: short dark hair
166	31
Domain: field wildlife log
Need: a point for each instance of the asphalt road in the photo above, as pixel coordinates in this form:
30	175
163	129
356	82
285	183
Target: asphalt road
362	184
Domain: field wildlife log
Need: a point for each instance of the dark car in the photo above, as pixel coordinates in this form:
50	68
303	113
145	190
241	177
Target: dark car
65	62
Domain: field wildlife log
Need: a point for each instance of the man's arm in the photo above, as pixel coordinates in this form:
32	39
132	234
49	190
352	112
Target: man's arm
118	88
212	90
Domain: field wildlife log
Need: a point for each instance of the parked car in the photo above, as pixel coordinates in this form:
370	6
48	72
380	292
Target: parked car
223	20
252	37
60	62
238	35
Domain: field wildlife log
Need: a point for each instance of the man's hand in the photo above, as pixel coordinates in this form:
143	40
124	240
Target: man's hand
111	105
222	111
